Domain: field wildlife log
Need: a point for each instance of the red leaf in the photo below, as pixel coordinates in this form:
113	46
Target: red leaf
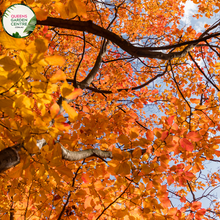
164	135
189	175
170	120
56	197
183	199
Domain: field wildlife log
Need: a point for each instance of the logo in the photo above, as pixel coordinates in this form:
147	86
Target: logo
19	20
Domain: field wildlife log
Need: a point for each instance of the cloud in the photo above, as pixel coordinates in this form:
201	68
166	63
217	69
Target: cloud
190	9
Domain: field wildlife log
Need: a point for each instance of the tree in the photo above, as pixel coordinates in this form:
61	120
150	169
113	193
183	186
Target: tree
76	142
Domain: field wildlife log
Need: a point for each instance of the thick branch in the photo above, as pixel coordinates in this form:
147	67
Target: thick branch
9	157
92	28
80	155
88	80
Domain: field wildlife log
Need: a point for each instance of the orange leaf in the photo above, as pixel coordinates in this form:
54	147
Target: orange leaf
189	175
66	89
70	111
55	60
196	205
186	144
17	171
150	135
194	136
123	169
57	155
85	178
201	212
195	101
54	110
7	63
170	179
164	135
87	202
58	76
64	171
117	154
74	94
137	153
165	202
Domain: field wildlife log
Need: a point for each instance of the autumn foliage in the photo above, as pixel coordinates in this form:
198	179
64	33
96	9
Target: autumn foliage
110	110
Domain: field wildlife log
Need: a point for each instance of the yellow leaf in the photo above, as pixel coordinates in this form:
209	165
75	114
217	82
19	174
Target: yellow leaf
36	75
55	60
70	111
11	43
31	145
7	63
23	59
217	66
40	45
27	114
81	8
37	86
58	76
23	100
17	171
60	8
51	88
2	146
66	89
71	9
40	14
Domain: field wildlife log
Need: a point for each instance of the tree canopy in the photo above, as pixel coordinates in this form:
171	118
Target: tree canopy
110	110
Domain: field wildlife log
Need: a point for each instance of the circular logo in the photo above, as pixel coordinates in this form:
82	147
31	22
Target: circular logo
19	20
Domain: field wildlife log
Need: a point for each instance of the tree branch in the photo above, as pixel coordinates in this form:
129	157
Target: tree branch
9	157
92	28
126	89
83	154
88	80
